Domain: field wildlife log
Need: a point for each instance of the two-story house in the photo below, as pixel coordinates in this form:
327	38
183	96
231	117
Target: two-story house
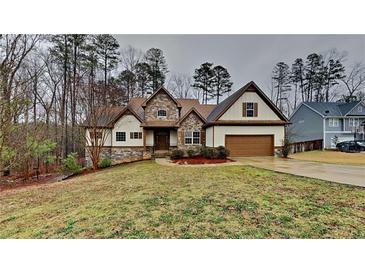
247	123
328	123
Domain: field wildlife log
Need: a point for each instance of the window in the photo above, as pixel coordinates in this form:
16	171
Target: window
161	113
359	108
333	122
120	136
250	109
353	122
97	133
192	137
136	135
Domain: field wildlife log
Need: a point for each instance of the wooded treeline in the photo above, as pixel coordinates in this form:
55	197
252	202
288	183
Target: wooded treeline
318	78
49	84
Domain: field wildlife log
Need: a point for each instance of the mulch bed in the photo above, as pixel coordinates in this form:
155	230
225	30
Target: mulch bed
200	160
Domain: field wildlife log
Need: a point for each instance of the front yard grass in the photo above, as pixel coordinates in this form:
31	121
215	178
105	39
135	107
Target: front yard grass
146	200
331	157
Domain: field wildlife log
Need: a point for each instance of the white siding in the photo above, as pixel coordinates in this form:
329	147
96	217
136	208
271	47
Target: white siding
127	124
173	138
235	111
106	138
209	136
149	137
221	131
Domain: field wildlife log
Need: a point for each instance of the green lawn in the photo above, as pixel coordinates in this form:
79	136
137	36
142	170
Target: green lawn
145	200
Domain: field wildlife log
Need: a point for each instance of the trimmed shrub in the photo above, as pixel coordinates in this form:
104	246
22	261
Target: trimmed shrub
222	152
177	154
71	164
190	153
105	162
215	153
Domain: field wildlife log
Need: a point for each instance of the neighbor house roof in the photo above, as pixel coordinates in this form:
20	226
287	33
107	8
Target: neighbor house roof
331	108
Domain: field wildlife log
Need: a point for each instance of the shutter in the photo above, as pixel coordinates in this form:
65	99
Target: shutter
255	109
131	135
202	137
244	109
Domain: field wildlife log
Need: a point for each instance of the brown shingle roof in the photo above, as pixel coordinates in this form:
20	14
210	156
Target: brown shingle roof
105	116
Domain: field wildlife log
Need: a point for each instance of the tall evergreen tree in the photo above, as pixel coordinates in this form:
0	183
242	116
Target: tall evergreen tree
297	78
335	71
107	50
127	82
221	82
158	68
203	80
281	78
313	75
142	77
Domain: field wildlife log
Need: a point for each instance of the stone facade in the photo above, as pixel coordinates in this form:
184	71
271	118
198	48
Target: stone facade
191	123
161	101
120	155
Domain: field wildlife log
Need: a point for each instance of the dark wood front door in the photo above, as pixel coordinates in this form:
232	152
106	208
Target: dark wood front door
162	139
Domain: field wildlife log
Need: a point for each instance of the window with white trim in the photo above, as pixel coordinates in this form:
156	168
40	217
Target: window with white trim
354	122
250	110
333	122
120	136
192	137
161	113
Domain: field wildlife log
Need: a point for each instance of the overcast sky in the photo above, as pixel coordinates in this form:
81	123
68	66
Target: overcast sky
247	57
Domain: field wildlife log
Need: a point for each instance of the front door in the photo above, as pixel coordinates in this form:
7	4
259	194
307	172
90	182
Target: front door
162	139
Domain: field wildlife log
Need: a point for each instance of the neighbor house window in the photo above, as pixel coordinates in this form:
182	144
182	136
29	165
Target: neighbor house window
120	136
249	109
354	122
161	113
136	135
98	134
192	137
333	122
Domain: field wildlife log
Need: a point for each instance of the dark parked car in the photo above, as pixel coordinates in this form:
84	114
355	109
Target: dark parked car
351	146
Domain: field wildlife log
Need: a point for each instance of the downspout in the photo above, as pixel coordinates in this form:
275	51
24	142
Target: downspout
324	133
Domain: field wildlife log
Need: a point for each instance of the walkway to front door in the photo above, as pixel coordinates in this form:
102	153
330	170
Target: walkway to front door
162	139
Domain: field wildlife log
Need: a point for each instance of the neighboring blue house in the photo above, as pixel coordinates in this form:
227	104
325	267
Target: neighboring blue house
326	124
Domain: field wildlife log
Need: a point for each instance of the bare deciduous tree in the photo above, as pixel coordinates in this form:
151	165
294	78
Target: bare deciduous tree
180	85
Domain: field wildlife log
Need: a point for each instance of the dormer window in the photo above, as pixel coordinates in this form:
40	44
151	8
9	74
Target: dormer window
161	113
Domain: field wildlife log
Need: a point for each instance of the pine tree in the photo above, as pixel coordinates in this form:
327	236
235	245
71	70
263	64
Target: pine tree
281	78
127	82
107	51
158	68
297	78
221	82
313	71
142	77
203	80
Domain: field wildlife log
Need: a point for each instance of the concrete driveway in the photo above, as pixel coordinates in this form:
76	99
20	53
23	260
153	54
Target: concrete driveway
345	174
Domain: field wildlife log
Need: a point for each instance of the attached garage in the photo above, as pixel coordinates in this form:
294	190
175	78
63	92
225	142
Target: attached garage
250	145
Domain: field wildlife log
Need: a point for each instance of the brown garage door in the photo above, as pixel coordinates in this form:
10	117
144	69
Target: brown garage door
250	145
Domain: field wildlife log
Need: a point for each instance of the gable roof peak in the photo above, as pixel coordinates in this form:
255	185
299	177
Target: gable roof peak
161	89
229	101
